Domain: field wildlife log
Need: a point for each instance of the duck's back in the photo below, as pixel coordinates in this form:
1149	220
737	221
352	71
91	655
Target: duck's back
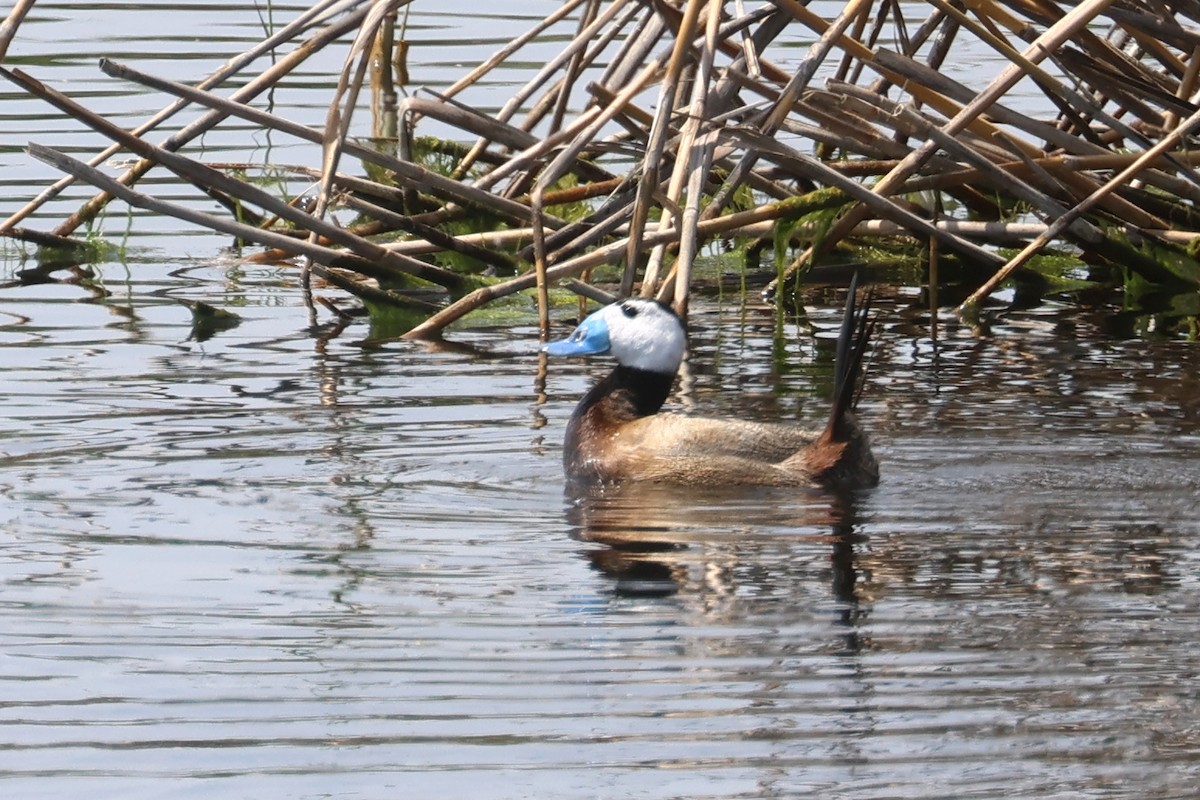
674	448
674	435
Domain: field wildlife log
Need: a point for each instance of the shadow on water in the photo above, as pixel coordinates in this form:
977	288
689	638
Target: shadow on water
660	541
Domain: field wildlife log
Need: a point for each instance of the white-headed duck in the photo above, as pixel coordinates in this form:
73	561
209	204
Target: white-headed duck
617	433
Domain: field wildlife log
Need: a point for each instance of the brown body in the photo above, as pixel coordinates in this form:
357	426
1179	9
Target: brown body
616	435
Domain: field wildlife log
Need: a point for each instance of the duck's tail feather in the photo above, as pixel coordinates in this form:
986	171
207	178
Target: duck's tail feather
855	336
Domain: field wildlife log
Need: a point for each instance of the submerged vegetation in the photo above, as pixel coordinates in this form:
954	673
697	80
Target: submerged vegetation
660	128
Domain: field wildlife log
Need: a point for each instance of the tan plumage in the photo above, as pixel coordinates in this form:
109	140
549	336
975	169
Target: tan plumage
672	448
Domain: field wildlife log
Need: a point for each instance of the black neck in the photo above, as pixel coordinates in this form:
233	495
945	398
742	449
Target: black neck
624	395
629	393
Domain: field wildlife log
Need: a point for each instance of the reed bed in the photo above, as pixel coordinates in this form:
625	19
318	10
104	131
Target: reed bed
661	126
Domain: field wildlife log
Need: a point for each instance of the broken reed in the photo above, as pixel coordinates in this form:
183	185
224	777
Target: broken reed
663	126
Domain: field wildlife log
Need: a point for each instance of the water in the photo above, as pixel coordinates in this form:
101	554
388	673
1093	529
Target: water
271	565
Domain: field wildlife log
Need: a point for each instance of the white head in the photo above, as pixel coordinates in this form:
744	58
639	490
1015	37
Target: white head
642	334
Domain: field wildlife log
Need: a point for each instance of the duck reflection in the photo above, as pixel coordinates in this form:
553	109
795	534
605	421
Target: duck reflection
728	547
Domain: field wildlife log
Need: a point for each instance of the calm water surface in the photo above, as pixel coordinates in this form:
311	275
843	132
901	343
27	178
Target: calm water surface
266	565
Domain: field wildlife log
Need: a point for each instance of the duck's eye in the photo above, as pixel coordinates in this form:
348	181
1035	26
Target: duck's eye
629	310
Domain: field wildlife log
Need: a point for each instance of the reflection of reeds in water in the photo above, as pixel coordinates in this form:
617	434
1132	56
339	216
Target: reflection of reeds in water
658	127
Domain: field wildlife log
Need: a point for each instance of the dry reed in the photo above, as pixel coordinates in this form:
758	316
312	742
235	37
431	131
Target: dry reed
670	124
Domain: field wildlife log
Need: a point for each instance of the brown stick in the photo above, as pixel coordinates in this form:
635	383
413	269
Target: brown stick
1056	227
539	263
337	125
787	98
1048	42
433	326
13	21
233	66
521	95
405	170
689	158
201	174
208	121
288	244
653	155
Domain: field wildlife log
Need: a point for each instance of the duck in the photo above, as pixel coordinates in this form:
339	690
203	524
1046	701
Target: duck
619	434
